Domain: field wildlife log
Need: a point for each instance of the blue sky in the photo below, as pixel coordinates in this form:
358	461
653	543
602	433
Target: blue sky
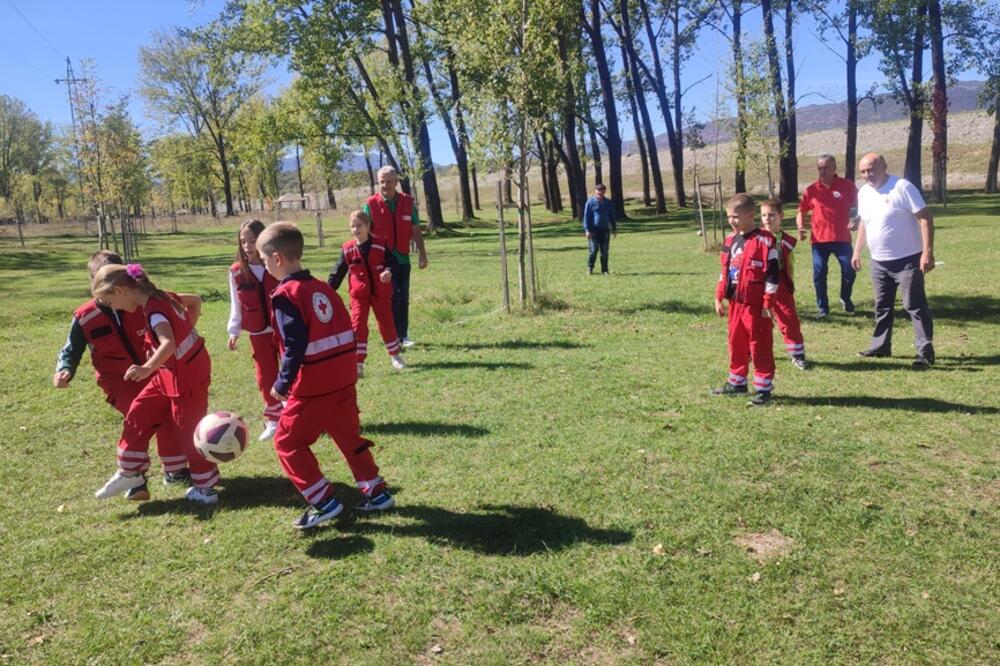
111	32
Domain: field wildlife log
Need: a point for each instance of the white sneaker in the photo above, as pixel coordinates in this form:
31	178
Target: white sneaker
397	362
269	429
202	495
118	484
408	342
361	370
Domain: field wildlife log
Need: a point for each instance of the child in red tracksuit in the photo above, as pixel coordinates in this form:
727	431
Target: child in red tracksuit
317	381
250	288
370	268
178	373
116	341
749	281
784	301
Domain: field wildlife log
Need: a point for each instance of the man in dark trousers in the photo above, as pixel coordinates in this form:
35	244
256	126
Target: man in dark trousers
599	225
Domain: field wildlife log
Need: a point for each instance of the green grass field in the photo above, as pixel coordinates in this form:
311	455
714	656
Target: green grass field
568	491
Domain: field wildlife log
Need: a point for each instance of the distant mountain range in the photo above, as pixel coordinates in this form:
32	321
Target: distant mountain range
963	96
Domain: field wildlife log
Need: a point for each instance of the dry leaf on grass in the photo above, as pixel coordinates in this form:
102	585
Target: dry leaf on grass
659	550
437	649
755	578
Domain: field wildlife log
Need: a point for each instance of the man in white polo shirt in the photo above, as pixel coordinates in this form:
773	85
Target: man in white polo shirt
899	231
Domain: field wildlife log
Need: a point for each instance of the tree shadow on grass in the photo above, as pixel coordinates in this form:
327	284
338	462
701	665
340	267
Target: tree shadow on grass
471	365
965	308
489	530
424	429
512	344
900	363
926	405
665	306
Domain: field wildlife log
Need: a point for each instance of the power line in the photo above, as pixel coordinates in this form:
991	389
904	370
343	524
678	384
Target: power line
23	59
32	26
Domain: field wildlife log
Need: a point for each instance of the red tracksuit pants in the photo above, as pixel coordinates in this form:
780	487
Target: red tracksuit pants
121	393
303	421
750	337
382	305
265	363
152	411
783	308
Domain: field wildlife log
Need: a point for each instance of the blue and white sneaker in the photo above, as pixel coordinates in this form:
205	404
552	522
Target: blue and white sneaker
206	496
381	502
319	514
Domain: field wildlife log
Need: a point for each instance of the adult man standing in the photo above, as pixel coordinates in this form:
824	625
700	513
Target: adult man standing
830	201
899	231
394	217
599	225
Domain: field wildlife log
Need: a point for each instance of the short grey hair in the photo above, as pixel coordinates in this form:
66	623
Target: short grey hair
388	170
827	158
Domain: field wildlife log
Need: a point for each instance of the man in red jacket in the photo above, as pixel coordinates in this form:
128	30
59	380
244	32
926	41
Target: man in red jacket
394	217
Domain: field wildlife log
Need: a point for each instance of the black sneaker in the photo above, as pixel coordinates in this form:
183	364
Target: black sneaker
874	353
848	305
138	494
178	478
759	399
728	389
922	363
800	362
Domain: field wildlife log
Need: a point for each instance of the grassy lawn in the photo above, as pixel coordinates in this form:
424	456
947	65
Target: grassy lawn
568	491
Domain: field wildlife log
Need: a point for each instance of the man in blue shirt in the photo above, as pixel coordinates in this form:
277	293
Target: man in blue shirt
599	225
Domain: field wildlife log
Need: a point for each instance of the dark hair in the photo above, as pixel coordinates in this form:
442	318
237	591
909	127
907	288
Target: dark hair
774	203
600	186
100	259
283	238
256	226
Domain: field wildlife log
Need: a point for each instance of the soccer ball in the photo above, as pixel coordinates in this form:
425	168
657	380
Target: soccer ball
221	437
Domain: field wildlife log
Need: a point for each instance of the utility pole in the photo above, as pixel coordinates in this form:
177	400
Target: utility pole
71	82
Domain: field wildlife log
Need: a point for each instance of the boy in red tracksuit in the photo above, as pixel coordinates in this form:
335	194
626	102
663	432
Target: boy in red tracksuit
116	339
317	380
784	301
749	281
370	268
176	375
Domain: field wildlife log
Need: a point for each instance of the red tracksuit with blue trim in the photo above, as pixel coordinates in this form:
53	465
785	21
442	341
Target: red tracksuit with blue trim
783	306
255	318
175	398
116	340
318	374
749	280
363	263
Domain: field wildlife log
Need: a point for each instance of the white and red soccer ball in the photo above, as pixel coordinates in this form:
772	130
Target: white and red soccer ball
221	437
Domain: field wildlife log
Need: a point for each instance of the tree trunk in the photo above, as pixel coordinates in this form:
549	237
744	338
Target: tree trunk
227	185
331	198
614	138
939	107
575	181
658	83
793	132
778	96
508	196
371	173
851	149
647	200
475	187
632	72
914	138
298	173
543	171
740	177
991	169
677	156
421	136
551	164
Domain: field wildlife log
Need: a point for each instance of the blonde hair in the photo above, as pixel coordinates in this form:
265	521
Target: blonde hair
283	238
100	259
131	276
741	203
362	217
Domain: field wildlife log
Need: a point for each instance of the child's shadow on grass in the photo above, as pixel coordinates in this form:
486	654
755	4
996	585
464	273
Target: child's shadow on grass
489	530
236	493
471	365
424	429
903	404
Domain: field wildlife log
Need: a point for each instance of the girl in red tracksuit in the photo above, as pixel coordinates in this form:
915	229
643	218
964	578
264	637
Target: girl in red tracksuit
250	288
176	395
370	267
784	301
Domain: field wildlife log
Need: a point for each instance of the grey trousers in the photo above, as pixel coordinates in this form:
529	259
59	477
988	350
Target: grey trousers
905	274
